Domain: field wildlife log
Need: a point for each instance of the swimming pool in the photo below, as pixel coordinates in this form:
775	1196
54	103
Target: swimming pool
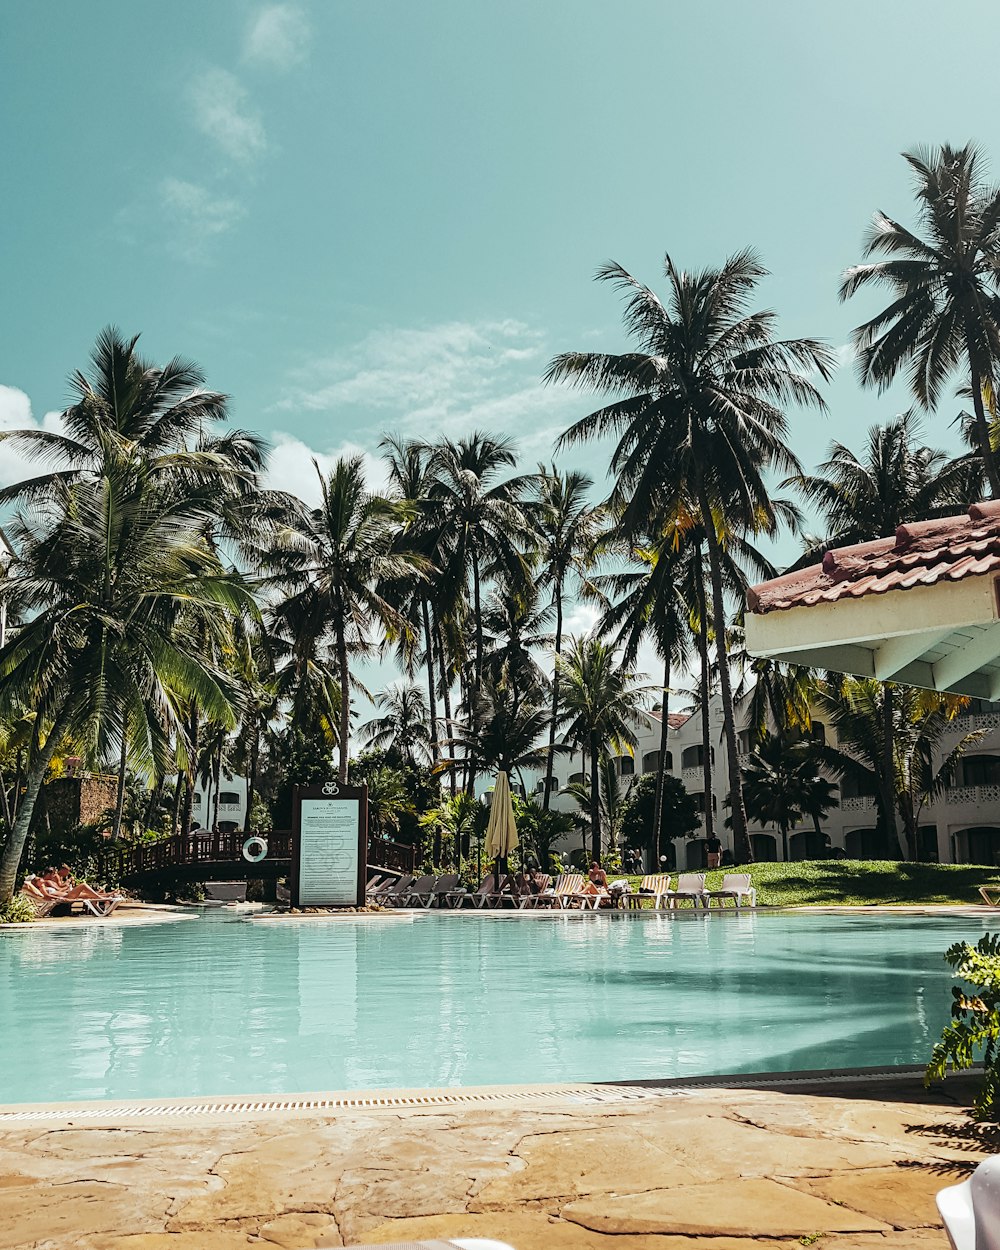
218	1005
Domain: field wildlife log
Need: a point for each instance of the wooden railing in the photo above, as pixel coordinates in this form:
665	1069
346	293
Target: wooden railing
205	847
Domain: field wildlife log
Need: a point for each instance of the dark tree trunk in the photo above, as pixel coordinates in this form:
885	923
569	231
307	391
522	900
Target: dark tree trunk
706	720
658	830
742	848
178	790
254	765
216	785
345	705
10	861
154	802
888	779
429	665
550	762
784	841
446	698
595	800
983	436
191	774
116	828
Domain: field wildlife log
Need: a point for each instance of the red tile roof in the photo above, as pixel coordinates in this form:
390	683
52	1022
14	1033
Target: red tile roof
675	719
922	553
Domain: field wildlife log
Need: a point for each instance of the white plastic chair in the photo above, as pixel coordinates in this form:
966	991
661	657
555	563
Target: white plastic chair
971	1211
737	886
689	885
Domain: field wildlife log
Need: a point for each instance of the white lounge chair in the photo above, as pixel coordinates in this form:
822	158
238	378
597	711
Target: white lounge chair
689	885
737	886
971	1211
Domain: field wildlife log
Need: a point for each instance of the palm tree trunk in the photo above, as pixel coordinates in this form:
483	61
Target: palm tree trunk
446	698
658	829
742	847
154	802
784	841
10	861
178	790
888	786
550	761
983	436
429	663
191	773
116	828
345	704
252	771
216	785
706	723
595	800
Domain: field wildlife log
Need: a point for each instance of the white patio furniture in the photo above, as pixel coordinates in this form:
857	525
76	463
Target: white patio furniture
971	1210
689	885
738	887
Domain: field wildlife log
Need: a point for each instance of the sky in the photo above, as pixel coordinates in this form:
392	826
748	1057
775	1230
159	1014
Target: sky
363	216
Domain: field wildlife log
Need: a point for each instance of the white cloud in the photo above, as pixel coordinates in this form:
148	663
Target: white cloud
223	111
277	37
16	414
290	466
196	215
446	379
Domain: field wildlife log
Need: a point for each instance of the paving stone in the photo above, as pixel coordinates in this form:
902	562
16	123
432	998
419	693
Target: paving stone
62	1214
901	1197
740	1208
302	1230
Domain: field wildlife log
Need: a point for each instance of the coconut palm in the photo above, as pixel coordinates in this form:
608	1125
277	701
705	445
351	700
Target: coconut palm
942	281
901	774
403	729
602	703
332	563
119	590
699	416
514	627
566	529
775	784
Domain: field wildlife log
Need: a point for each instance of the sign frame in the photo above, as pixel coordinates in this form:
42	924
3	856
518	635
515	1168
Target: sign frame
332	789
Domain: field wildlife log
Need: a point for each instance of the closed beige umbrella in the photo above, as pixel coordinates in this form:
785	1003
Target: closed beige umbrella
501	832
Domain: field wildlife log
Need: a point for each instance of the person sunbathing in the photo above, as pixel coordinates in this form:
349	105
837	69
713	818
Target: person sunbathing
66	889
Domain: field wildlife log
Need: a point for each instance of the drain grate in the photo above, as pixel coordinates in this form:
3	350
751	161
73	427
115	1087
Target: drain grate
570	1093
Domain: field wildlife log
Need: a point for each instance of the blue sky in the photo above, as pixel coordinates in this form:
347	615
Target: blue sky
361	216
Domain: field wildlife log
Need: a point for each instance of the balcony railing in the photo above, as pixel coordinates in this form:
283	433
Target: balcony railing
971	721
972	794
692	774
858	803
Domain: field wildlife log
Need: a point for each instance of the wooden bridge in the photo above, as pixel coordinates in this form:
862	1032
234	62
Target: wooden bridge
211	856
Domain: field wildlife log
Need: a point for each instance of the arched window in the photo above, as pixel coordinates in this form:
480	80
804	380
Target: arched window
651	761
626	766
229	796
577	778
196	800
857	788
818	732
693	757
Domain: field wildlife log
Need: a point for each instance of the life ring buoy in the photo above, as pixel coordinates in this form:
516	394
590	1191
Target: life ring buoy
254	850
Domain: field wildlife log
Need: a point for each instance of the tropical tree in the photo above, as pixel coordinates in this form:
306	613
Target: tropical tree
331	563
119	590
679	813
898	767
566	530
776	784
539	829
699	417
602	703
456	821
942	280
403	729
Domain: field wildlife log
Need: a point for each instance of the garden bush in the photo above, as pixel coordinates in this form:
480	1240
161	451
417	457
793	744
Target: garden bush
975	1022
17	911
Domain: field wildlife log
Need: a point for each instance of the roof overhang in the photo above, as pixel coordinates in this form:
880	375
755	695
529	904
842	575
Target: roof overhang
944	636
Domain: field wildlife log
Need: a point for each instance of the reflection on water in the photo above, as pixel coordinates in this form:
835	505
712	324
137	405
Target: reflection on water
221	1006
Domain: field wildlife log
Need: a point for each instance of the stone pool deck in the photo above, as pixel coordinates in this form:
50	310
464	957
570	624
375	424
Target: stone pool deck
840	1165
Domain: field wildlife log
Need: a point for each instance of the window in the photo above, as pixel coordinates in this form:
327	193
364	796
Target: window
651	761
858	788
693	757
228	796
196	800
670	761
626	766
577	778
818	732
980	770
743	739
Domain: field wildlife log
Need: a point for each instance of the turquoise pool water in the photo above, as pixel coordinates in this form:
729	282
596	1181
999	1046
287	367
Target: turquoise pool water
218	1005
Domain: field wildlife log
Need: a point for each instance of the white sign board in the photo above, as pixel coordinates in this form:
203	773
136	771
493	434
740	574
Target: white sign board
328	852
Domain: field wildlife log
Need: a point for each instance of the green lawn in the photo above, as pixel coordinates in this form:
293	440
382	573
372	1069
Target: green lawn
855	883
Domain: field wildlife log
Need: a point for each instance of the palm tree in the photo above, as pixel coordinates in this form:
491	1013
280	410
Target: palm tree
942	282
482	521
403	728
119	589
699	417
902	776
514	628
566	530
602	705
895	480
775	784
332	563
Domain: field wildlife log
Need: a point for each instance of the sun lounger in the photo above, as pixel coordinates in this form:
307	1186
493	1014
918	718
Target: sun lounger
396	895
656	887
476	897
689	885
419	893
990	894
102	907
41	906
971	1210
735	885
537	891
441	888
568	887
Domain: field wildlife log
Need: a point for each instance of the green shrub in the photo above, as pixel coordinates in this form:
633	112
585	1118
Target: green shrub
975	1022
17	911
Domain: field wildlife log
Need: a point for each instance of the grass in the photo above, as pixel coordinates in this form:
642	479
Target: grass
860	883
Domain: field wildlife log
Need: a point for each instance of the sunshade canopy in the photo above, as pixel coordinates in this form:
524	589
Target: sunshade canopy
501	832
921	608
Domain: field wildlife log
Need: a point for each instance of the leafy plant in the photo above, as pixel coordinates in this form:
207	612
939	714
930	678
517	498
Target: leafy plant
975	1022
17	911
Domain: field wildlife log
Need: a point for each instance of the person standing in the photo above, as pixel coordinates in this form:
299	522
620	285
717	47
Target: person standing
713	848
